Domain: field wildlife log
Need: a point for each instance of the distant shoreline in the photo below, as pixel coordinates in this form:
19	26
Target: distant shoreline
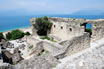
16	28
24	29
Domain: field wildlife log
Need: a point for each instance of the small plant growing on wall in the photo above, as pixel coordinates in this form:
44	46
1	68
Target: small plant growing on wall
30	47
43	25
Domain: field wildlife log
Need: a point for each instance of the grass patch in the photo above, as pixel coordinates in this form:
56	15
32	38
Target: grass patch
53	40
45	37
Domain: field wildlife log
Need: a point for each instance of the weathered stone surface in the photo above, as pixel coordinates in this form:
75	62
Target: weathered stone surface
37	62
5	66
16	57
91	58
11	58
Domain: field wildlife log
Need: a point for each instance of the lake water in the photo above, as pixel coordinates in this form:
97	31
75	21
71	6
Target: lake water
15	22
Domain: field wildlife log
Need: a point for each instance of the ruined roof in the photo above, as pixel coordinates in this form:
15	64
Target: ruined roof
70	20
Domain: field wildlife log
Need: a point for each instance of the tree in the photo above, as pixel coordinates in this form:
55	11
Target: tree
27	33
43	25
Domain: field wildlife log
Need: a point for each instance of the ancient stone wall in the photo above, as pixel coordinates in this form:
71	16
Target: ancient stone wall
65	29
97	30
76	44
34	31
51	47
31	40
67	47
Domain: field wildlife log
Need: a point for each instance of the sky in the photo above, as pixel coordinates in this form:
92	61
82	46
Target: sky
36	7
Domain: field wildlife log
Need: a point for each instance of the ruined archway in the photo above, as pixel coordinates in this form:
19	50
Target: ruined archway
87	28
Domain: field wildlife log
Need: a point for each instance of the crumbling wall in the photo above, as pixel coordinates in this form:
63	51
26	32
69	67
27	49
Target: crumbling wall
31	40
76	44
51	47
97	31
65	29
11	58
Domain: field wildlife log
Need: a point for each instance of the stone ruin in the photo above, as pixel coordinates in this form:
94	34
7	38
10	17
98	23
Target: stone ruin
71	37
11	58
73	27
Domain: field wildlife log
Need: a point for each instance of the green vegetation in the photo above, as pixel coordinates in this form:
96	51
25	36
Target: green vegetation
53	40
1	36
88	30
27	33
8	36
43	25
16	34
30	47
45	37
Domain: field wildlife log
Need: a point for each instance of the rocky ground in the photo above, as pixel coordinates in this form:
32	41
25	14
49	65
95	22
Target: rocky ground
91	58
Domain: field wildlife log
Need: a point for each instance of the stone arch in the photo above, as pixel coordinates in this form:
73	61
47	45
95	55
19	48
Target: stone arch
87	27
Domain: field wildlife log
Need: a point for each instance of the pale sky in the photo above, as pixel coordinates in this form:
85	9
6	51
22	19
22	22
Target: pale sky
33	7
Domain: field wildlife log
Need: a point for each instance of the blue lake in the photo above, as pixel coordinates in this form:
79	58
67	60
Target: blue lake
15	22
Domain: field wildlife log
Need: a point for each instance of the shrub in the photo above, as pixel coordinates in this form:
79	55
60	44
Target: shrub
15	34
27	33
